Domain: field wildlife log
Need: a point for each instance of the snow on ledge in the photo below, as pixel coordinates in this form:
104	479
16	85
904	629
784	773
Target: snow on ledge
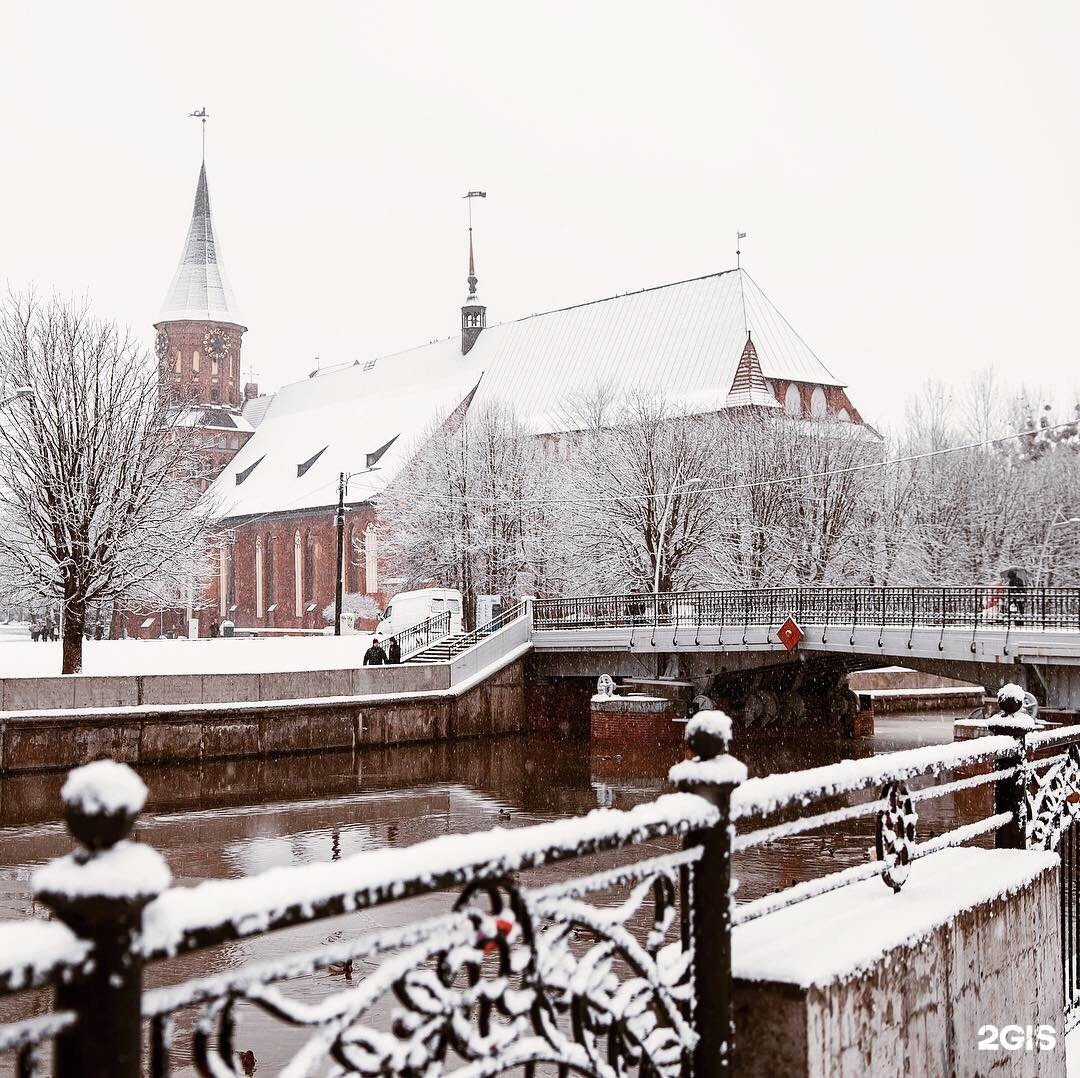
104	786
31	950
126	870
833	936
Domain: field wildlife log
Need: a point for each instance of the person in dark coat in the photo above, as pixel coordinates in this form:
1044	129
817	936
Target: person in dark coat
393	654
375	656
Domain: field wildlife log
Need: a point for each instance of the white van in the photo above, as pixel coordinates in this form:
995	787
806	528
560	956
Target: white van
409	608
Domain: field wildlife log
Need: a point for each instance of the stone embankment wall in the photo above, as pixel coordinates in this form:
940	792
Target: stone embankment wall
150	720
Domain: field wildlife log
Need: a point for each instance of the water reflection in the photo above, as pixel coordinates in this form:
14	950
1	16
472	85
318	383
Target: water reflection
235	818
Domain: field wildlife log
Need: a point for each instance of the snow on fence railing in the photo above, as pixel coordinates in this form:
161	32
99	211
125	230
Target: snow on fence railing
523	975
508	973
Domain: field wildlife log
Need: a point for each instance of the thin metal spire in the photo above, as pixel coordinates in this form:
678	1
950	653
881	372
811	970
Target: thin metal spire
202	114
472	261
742	291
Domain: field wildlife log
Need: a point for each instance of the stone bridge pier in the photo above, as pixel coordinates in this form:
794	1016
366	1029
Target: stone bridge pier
762	691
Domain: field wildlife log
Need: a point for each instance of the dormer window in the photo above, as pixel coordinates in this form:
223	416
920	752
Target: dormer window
241	476
373	458
303	469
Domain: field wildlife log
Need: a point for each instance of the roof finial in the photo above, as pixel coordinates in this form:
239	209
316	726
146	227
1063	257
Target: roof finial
202	114
738	253
472	261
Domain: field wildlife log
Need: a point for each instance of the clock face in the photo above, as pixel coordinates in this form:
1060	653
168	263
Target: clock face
216	342
161	344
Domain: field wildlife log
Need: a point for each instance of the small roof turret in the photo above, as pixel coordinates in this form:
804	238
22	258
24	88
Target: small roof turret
200	291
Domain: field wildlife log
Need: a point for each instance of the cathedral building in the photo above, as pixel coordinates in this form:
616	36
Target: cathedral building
710	343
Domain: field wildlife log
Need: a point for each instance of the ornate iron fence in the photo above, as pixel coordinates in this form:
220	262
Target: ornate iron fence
1051	821
510	975
865	607
624	967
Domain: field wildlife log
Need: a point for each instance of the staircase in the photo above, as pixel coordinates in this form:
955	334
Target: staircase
446	649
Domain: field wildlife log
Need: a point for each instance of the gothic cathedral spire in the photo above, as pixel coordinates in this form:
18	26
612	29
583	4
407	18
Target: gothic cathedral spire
199	328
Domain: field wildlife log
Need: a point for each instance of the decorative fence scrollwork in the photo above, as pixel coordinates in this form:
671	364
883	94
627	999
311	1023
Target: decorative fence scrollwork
511	978
896	833
1052	801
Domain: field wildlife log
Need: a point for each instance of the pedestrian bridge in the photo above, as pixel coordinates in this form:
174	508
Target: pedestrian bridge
980	624
988	635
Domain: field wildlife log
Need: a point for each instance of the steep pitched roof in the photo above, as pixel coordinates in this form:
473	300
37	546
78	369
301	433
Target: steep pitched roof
200	290
685	340
748	386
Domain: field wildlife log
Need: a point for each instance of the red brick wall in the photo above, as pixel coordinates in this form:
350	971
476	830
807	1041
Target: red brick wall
835	397
318	549
188	338
636	727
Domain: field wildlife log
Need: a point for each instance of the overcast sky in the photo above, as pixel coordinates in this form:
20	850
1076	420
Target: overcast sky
907	174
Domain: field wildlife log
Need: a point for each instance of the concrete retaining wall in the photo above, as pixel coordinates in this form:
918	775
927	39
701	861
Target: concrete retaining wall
920	1007
86	690
172	730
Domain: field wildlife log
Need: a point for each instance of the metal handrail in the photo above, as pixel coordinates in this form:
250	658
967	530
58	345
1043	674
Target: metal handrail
424	634
847	607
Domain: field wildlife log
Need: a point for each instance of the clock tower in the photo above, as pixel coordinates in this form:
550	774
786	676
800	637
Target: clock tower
199	330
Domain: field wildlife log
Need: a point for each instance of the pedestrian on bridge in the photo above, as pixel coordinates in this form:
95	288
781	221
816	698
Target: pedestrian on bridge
393	653
375	656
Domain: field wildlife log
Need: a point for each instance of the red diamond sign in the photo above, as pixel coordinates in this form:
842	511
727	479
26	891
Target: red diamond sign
790	634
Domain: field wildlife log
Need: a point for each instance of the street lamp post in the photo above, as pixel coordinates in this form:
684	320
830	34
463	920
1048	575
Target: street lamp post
1055	523
339	525
677	488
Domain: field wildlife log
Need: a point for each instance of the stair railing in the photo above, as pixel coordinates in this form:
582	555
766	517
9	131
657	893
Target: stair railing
423	635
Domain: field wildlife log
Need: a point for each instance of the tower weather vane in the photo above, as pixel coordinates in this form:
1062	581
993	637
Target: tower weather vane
470	196
201	114
738	253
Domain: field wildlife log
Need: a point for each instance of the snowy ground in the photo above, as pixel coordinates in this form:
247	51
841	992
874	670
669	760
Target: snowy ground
1072	1053
24	658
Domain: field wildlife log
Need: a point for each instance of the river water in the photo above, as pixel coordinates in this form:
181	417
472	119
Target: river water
235	818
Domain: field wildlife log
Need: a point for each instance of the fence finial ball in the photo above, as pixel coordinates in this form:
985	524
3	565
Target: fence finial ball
1010	699
101	802
709	734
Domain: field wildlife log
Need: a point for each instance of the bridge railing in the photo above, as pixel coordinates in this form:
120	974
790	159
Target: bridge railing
856	606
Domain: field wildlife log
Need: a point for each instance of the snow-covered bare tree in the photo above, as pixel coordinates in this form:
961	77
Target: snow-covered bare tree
96	499
640	511
474	510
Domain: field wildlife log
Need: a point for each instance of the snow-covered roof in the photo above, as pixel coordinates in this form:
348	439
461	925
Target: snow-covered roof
199	290
254	409
318	427
213	417
684	340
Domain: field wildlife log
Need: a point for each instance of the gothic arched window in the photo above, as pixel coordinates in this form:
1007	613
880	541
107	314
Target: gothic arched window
819	407
223	581
792	400
259	561
371	560
298	576
311	550
352	564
